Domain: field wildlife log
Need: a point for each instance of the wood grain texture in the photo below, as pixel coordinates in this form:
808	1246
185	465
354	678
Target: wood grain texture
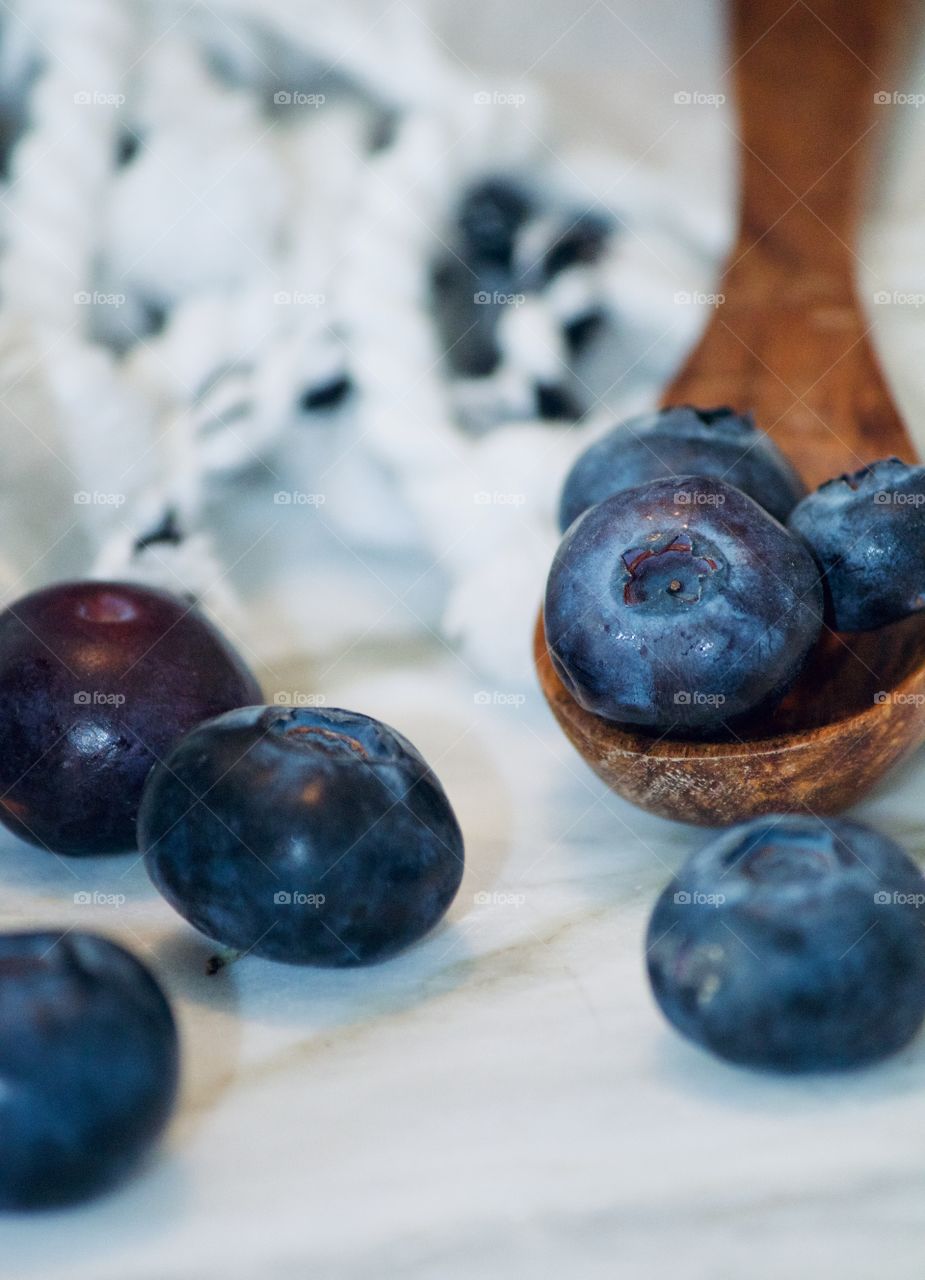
790	343
796	760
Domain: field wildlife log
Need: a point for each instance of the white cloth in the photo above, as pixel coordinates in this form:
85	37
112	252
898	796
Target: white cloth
279	253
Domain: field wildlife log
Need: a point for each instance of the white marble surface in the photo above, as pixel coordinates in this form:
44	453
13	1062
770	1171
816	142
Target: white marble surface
503	1101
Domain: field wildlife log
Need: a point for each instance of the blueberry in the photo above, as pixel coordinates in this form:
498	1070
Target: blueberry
867	531
97	680
307	836
794	944
88	1066
683	441
680	605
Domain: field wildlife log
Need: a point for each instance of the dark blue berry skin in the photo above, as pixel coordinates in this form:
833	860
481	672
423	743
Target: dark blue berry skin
96	680
793	944
89	1063
867	531
680	606
262	813
683	441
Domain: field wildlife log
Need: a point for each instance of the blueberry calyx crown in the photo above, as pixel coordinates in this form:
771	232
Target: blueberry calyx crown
343	737
307	729
723	417
883	470
669	567
708	424
777	855
328	737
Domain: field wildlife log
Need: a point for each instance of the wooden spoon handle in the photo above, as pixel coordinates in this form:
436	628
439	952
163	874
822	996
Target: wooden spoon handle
806	76
790	340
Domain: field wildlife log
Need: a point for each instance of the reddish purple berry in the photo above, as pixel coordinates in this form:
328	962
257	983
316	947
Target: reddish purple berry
97	681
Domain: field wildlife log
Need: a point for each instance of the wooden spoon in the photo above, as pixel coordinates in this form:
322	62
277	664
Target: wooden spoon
790	343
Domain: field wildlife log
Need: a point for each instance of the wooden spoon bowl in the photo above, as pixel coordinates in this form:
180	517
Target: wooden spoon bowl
790	343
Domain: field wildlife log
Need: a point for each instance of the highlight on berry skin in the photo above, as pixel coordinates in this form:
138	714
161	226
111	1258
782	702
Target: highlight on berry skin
97	681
